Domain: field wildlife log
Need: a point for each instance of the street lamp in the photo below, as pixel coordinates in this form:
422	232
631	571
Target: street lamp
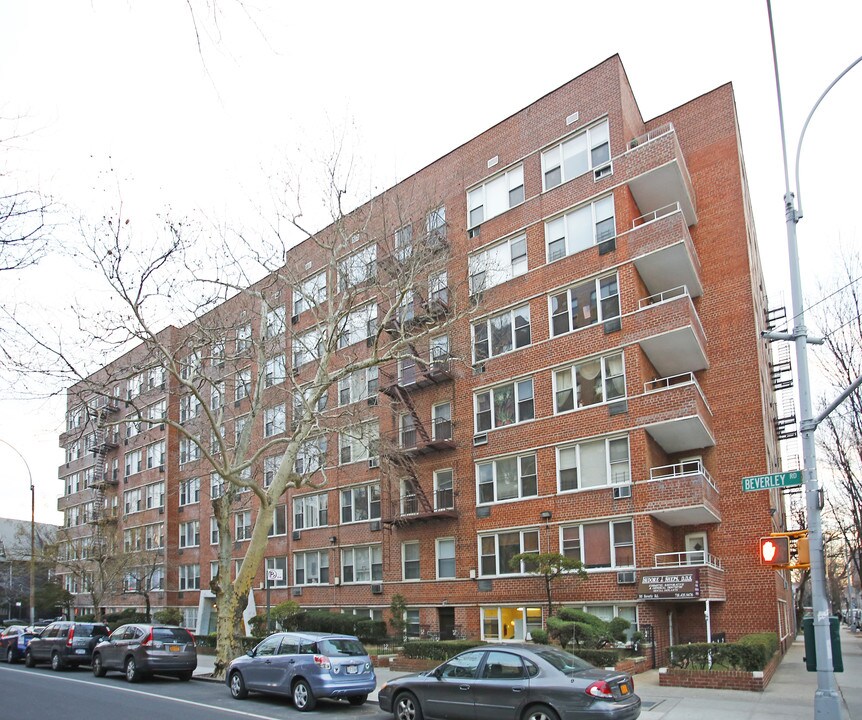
826	698
32	533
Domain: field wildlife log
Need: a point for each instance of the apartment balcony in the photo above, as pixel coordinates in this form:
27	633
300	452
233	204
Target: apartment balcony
411	375
658	171
680	494
674	411
702	569
670	332
419	312
103	442
416	508
663	252
412	442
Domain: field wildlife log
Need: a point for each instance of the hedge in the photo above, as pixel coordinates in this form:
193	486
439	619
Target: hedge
436	649
599	658
370	631
750	653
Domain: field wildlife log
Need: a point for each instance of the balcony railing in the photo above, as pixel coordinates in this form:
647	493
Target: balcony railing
687	559
655	215
665	383
689	468
664	296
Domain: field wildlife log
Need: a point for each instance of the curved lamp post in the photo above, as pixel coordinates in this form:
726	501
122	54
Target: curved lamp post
32	532
826	698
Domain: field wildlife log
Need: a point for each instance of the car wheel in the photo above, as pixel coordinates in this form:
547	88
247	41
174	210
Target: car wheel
540	712
185	675
133	675
357	699
28	659
407	707
98	668
10	656
303	697
238	689
56	661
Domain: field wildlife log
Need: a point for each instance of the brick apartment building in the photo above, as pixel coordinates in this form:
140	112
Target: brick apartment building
612	392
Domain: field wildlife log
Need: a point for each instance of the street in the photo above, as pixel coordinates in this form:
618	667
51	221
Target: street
34	694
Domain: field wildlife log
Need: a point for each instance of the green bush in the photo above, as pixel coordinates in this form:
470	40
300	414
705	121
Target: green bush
539	636
126	616
210	641
436	649
751	653
585	630
599	658
766	641
372	632
168	616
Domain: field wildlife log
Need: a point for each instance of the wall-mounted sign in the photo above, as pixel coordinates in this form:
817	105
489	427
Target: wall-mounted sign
669	584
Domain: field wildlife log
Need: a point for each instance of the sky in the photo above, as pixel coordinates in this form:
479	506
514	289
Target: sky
112	99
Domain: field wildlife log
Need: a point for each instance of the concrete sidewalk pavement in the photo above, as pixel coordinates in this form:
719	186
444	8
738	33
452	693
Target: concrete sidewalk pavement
789	696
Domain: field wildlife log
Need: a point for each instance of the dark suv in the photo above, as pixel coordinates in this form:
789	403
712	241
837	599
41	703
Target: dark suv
138	650
65	644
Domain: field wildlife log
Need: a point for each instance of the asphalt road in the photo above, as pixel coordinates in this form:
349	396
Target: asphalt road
40	693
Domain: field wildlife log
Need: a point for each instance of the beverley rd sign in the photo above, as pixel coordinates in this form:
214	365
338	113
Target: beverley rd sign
774	480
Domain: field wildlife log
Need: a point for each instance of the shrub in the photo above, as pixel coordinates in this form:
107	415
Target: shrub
168	616
599	658
539	636
751	653
126	616
436	649
584	629
370	631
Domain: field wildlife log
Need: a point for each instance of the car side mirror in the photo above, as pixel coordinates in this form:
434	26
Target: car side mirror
438	672
250	653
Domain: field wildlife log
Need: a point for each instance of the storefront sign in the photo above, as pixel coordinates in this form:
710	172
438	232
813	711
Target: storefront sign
670	584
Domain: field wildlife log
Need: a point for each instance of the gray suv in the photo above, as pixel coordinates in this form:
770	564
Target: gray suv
139	650
306	666
65	644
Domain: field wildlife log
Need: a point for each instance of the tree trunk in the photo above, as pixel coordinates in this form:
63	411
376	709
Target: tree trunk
229	619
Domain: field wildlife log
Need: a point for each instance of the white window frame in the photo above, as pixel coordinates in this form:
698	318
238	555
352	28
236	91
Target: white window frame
596	287
612	544
309	293
190	491
497	263
357	268
414	547
482	332
560	242
242	526
242	384
274	420
374	560
510	181
604	378
274	322
522	535
594	137
300	565
189	534
624	477
277	563
311	511
189	577
359	385
439	558
522	395
275	371
358	443
348	510
522	467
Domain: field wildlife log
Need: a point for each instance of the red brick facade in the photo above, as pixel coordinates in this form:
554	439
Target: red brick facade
696	411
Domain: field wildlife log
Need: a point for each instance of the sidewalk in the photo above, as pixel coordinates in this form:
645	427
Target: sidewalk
789	696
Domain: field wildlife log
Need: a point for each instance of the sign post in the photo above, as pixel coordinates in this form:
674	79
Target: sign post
271	574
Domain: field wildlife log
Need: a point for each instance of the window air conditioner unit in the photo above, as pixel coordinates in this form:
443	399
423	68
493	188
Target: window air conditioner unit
373	462
296	592
603	171
626	577
294	319
481	439
372	401
375	525
377	588
297	534
622	491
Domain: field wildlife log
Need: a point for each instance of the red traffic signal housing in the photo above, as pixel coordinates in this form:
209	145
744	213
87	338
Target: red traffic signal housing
774	550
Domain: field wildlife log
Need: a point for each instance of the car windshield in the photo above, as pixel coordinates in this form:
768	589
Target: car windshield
88	630
340	646
564	661
170	634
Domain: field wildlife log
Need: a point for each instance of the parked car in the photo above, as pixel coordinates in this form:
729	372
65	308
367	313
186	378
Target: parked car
65	644
14	641
512	682
306	666
139	650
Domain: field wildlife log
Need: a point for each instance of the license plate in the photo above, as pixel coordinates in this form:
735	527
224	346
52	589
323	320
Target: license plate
175	648
80	651
624	688
352	669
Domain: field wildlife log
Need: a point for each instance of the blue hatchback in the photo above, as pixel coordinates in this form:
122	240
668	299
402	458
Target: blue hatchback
306	666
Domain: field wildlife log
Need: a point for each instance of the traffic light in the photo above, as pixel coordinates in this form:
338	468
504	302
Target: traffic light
774	550
802	555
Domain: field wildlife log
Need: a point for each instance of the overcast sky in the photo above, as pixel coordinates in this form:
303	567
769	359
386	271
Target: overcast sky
103	85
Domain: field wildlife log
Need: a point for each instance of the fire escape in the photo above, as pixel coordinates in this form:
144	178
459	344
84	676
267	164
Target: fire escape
105	440
781	376
413	440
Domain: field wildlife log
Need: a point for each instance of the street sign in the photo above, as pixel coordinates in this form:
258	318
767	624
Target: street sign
274	574
774	480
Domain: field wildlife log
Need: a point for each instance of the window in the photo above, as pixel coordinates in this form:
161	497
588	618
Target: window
358	443
589	383
279	521
310	292
412	626
276	563
444	497
509	623
190	534
133	539
190	577
600	545
190	407
307	346
217	486
274	322
216	395
445	558
506	479
585	304
217	353
358	325
154	536
409	496
404	242
580	229
214	533
435	226
242	525
438	290
439	347
302	405
441	421
270	468
189	450
358	385
357	268
134	462
242	383
497	264
410	560
360	503
504	405
154	495
311	457
239	426
361	564
190	491
596	463
274	421
133	427
311	567
310	511
157	411
243	337
190	365
495	196
274	372
496	551
501	333
156	454
406	431
587	150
